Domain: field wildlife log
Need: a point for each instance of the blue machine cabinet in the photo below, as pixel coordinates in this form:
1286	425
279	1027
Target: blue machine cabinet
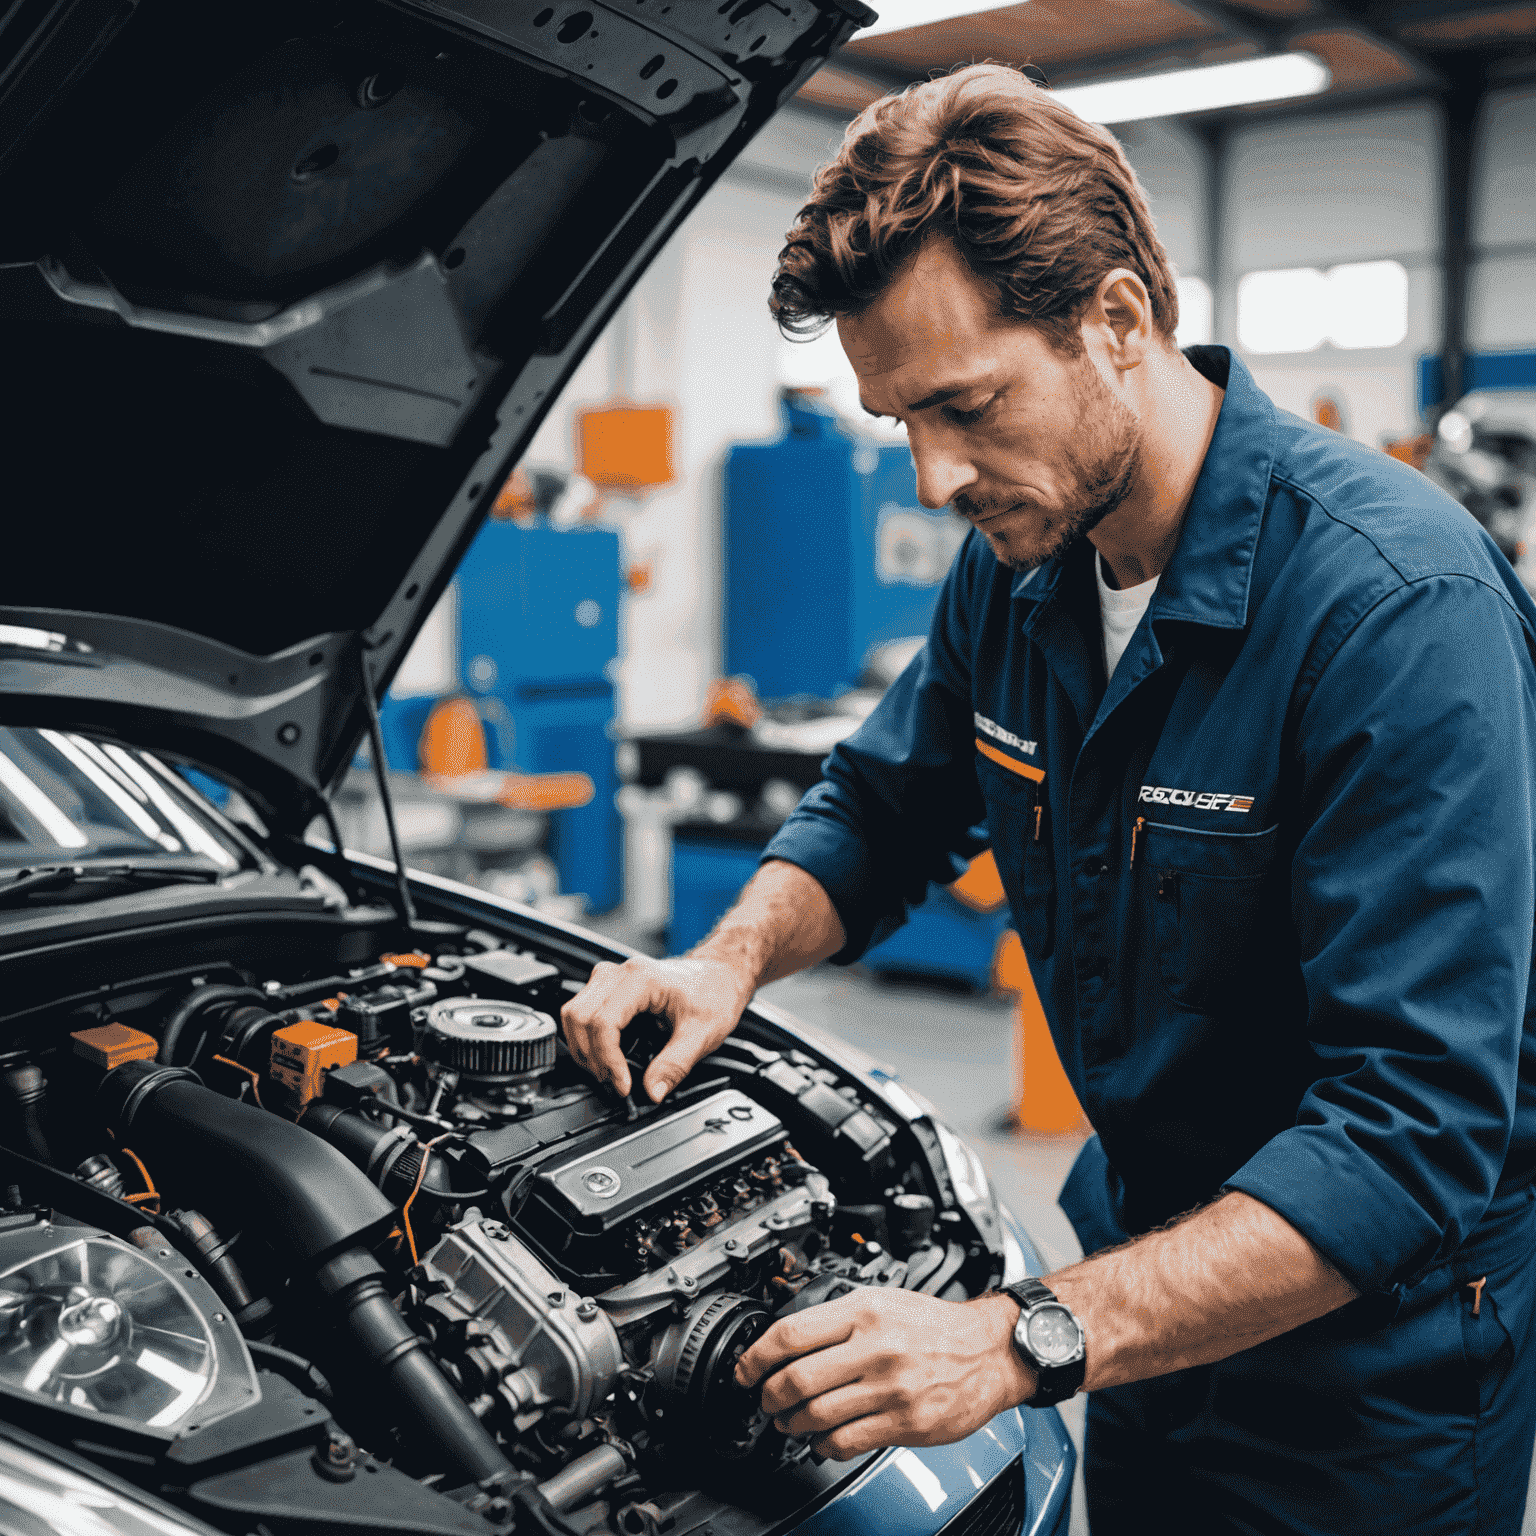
827	554
538	611
538	629
1479	370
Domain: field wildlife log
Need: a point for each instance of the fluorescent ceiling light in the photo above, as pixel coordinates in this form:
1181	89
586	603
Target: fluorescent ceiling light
898	15
1272	77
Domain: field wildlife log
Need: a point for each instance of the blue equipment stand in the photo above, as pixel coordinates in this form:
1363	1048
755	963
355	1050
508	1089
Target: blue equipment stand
538	630
828	554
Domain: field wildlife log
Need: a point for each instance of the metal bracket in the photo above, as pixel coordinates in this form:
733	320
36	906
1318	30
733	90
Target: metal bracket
380	352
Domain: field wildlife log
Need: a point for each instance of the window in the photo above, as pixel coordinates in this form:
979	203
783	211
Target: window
1360	304
1195	312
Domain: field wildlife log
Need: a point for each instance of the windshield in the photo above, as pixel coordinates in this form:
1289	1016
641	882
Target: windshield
66	799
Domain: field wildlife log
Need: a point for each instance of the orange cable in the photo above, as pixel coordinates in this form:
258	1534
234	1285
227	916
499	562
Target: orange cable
149	1192
251	1073
421	1173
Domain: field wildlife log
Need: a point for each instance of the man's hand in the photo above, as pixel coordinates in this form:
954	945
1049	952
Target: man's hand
783	922
889	1367
702	998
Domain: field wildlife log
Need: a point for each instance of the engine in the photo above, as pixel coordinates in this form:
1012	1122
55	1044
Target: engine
399	1166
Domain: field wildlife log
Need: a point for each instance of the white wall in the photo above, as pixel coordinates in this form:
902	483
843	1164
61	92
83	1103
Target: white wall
1366	185
1174	167
1319	191
1502	297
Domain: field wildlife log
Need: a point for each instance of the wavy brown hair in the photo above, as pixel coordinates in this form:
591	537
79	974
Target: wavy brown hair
1039	202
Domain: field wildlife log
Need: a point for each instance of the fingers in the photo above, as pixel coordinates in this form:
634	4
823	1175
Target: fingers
703	1001
819	1328
816	1375
691	1040
830	1410
872	1433
594	1018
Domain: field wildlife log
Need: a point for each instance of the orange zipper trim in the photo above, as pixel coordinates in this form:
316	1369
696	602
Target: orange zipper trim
1024	770
1141	821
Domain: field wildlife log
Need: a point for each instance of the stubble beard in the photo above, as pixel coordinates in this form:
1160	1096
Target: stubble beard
1103	459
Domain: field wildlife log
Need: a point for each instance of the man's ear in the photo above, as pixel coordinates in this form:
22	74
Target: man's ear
1120	317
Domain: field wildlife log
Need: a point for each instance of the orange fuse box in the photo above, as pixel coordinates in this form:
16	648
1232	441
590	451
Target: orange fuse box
110	1045
303	1053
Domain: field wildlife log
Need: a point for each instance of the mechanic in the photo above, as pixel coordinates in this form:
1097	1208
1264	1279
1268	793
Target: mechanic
1246	712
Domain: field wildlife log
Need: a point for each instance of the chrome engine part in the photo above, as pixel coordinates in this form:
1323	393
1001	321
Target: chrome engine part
729	1248
487	1040
514	1333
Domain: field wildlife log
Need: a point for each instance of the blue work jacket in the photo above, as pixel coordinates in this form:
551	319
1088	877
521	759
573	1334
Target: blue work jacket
1276	881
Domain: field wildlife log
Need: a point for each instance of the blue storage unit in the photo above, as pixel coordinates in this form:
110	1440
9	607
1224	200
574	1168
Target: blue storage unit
827	554
401	722
943	937
707	876
538	630
538	611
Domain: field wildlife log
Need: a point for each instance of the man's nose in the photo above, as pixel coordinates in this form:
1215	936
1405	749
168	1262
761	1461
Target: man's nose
942	471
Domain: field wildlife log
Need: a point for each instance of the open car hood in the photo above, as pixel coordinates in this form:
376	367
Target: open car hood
286	288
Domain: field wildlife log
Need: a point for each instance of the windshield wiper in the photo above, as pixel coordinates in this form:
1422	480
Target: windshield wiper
53	877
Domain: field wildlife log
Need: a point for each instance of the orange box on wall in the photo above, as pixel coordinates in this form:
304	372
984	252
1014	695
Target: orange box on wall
625	447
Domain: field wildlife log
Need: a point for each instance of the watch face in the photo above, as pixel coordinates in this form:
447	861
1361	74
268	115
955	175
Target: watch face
1053	1334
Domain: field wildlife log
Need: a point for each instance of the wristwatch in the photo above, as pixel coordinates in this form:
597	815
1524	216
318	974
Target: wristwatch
1050	1339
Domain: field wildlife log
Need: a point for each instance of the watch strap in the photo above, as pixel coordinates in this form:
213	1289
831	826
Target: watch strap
1054	1383
1030	1292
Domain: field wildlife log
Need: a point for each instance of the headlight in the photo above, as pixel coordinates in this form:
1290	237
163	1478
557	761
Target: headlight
91	1323
973	1189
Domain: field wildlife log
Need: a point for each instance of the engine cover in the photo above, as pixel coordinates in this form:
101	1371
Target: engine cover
585	1209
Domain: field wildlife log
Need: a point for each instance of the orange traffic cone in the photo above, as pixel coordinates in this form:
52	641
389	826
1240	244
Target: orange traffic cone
1043	1099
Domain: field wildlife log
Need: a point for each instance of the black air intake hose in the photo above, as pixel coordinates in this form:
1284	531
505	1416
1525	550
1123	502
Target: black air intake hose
302	1193
27	1089
390	1158
193	1004
435	1412
310	1200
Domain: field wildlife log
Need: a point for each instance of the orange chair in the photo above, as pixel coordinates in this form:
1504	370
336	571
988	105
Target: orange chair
453	740
454	762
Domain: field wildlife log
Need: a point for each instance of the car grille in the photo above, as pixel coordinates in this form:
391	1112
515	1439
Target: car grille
998	1510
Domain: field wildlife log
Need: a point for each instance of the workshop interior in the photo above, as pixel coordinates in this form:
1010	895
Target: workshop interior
405	473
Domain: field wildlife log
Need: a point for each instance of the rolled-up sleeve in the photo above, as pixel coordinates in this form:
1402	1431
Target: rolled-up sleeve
898	806
1413	892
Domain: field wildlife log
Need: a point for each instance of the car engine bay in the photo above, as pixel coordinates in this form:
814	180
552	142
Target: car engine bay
362	1246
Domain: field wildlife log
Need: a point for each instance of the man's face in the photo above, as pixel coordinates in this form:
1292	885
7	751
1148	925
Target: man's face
1028	442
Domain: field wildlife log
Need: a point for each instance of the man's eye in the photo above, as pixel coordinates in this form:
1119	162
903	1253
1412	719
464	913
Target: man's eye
967	418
